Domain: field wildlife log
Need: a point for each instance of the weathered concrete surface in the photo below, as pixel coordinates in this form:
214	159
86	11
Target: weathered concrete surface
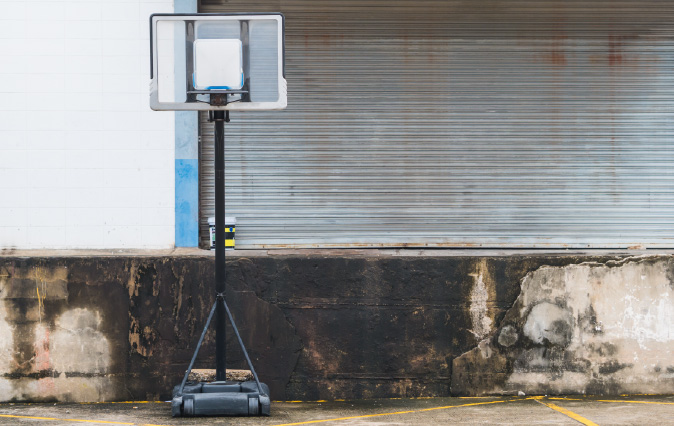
208	375
507	411
589	328
106	328
318	325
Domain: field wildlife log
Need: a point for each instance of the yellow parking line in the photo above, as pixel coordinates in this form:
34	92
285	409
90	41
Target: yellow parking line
28	417
123	402
637	402
11	416
387	399
386	414
344	418
566	399
475	397
639	394
66	420
462	405
568	413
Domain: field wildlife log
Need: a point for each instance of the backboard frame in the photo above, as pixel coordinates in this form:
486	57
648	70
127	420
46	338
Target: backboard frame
219	99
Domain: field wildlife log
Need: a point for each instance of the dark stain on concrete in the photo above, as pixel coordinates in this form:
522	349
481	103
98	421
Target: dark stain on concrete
612	367
604	349
670	272
316	326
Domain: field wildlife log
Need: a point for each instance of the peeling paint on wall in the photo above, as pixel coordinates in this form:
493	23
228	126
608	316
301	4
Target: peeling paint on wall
6	341
59	388
480	314
586	328
47	351
77	346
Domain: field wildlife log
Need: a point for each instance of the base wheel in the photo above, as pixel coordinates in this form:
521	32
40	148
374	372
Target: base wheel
253	407
188	407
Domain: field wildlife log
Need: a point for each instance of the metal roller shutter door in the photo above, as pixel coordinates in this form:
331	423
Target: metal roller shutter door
453	124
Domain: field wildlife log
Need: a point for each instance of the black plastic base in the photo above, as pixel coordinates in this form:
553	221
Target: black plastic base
221	399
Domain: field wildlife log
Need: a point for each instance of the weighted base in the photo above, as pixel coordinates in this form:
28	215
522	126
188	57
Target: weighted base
221	399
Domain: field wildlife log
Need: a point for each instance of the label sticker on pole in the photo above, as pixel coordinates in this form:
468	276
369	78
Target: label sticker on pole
230	232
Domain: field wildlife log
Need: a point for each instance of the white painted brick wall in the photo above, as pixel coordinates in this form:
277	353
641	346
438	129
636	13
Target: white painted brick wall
84	162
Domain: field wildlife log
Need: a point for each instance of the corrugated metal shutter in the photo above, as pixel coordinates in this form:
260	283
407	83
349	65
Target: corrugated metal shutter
453	123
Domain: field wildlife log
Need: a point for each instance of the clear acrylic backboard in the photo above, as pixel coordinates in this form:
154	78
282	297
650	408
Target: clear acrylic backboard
217	62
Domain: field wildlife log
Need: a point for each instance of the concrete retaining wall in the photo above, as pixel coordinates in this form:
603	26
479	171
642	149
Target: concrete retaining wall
323	325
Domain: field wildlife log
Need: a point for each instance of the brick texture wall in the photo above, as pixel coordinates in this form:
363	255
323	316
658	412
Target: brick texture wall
84	162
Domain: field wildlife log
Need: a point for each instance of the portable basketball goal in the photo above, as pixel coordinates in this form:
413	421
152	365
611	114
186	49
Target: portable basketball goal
218	63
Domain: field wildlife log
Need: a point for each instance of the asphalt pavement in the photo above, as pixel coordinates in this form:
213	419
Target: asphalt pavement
524	410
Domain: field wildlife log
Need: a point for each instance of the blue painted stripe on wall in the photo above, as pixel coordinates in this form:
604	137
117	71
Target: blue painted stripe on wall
187	134
187	203
185	6
187	164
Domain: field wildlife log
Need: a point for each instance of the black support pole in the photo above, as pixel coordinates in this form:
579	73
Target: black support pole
220	337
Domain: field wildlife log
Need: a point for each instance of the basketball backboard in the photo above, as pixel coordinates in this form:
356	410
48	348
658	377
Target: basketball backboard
203	62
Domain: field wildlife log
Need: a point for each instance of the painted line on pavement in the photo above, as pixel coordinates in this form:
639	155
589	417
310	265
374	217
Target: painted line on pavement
387	414
124	402
566	399
568	413
386	399
66	420
474	397
11	416
637	402
639	394
462	405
